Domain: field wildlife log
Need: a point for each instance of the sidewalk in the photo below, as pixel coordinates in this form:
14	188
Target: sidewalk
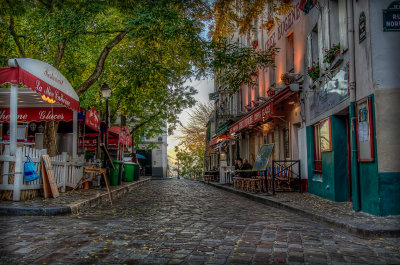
337	214
66	204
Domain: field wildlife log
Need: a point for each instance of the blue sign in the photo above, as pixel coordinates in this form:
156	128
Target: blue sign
391	17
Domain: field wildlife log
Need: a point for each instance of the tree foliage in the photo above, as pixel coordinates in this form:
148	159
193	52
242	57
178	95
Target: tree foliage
144	50
190	150
242	15
235	65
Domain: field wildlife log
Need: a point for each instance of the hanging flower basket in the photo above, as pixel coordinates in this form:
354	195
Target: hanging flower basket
313	71
332	53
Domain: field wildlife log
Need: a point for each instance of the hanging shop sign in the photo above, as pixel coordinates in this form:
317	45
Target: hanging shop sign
41	78
92	119
362	25
307	5
391	17
262	113
38	114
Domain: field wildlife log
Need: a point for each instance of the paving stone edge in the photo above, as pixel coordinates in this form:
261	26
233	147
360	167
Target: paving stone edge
73	208
365	232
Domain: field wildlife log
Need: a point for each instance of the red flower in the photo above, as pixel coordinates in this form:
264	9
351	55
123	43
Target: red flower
313	68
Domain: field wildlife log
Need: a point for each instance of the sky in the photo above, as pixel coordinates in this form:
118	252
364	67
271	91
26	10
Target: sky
204	87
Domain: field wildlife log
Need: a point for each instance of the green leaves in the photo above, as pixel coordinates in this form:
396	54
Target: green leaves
234	65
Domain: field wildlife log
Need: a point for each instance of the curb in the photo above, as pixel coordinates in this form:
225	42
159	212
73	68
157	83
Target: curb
365	232
73	207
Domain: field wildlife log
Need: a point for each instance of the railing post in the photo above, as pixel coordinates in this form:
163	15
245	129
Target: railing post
298	161
18	170
273	177
64	171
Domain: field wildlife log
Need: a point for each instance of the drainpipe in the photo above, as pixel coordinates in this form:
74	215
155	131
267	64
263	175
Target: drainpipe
355	172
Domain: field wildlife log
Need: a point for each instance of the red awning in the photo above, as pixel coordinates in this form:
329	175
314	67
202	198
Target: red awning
41	78
219	138
122	133
88	141
38	114
92	119
261	113
258	115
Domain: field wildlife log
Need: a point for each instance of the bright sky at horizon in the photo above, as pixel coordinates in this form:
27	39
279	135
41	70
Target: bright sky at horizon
204	87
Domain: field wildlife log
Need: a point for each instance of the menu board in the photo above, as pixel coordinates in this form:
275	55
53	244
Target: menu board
365	142
263	157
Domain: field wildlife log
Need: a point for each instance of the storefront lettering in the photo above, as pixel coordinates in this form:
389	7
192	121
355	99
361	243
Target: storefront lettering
283	27
53	77
48	115
6	117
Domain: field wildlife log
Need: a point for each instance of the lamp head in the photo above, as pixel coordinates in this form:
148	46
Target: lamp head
105	90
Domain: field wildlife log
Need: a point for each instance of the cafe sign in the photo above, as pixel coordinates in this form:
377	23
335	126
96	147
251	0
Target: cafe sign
262	113
391	17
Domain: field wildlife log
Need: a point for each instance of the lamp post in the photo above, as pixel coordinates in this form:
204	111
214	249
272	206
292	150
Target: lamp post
106	93
133	123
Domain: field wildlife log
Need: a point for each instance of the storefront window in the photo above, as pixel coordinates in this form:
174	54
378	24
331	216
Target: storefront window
286	142
322	142
317	150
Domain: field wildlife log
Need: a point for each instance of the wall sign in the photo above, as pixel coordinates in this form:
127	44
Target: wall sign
365	132
391	17
362	32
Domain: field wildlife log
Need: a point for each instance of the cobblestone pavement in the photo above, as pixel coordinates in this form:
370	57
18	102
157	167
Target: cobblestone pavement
184	222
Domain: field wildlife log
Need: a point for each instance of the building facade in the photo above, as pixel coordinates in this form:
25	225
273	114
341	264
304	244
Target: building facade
153	156
330	102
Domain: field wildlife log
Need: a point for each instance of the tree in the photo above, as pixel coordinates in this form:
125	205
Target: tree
190	150
144	49
242	16
233	64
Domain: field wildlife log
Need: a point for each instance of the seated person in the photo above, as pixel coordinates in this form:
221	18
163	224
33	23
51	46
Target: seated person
247	166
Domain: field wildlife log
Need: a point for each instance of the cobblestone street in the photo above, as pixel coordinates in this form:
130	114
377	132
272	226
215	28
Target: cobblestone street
185	222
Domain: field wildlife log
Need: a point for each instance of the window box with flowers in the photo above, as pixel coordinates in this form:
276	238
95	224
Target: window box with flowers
287	79
332	53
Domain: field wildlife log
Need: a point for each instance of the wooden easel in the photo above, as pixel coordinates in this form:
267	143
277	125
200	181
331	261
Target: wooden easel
99	172
49	182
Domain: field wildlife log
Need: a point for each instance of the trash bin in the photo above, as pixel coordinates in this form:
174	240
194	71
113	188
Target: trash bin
136	172
115	173
129	169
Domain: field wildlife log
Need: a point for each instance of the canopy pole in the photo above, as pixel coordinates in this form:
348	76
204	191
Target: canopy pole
75	135
13	118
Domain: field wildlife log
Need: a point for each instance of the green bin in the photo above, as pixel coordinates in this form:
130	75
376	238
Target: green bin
115	172
129	171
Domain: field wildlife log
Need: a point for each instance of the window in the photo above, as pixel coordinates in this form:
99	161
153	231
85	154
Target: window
314	45
290	53
317	150
286	142
322	142
160	139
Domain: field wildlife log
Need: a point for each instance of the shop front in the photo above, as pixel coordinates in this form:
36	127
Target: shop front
328	138
39	96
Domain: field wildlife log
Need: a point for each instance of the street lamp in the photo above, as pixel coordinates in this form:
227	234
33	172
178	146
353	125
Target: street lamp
106	93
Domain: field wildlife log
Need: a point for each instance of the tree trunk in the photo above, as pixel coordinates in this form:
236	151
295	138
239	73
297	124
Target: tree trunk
50	136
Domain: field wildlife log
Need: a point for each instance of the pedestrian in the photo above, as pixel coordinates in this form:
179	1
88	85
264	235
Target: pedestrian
236	168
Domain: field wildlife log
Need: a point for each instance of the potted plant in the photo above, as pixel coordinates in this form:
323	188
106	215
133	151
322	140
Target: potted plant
287	79
313	71
332	53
